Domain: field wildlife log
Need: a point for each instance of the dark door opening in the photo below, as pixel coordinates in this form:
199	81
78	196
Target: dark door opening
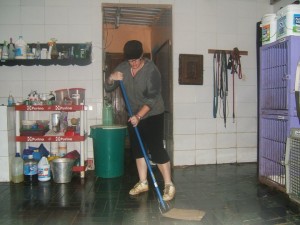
151	24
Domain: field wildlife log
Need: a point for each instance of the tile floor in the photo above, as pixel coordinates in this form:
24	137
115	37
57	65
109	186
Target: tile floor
229	194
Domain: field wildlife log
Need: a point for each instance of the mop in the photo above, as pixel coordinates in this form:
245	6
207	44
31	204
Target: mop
182	214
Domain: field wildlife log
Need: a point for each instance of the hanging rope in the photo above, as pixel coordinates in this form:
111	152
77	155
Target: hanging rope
234	64
216	71
220	83
224	85
220	80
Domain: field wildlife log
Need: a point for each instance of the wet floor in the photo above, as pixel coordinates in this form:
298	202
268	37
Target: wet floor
229	194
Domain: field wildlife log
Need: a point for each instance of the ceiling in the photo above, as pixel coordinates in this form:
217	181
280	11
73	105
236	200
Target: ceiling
137	14
145	15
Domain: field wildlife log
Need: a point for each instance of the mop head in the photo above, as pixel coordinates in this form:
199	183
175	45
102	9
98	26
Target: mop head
185	214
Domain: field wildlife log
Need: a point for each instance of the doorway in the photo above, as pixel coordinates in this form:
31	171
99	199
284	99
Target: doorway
152	25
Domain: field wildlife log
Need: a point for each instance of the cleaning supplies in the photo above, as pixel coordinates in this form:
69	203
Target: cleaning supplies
43	169
4	51
30	171
21	48
38	51
17	164
11	50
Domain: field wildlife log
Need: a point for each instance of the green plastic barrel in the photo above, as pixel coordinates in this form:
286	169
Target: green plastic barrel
108	144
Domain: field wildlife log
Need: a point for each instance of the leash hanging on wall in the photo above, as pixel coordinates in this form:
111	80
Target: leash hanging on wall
216	71
224	86
220	79
234	64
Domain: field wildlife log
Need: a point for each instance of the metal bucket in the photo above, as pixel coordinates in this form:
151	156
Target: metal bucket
62	170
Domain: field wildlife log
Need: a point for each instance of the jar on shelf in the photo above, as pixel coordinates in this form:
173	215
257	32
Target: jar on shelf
54	52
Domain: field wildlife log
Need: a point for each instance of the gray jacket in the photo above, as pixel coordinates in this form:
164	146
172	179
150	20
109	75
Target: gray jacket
143	89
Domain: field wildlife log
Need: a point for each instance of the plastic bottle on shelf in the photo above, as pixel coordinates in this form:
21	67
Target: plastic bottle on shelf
30	171
11	50
43	169
38	51
17	174
10	100
71	53
4	51
21	48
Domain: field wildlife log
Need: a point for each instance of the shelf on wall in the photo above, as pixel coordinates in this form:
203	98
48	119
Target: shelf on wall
76	60
45	62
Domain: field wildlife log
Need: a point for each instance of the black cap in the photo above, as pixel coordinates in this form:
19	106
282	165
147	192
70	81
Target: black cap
133	49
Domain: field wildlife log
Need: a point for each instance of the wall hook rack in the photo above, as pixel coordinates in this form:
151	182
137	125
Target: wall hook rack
213	51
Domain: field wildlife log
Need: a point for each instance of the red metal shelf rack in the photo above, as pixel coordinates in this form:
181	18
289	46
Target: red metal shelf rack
77	138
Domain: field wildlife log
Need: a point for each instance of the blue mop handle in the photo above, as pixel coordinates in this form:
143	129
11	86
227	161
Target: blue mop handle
142	147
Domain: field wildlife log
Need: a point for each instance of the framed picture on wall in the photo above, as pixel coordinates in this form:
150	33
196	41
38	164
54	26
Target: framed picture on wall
191	69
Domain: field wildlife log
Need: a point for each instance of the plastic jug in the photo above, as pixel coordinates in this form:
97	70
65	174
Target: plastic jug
43	169
17	164
20	48
30	170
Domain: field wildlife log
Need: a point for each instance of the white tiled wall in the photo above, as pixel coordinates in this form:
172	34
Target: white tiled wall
7	140
198	25
216	25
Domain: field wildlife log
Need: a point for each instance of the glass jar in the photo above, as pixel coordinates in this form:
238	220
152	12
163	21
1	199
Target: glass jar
54	52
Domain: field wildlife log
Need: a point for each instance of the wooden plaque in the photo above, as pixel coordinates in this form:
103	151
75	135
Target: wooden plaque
191	69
